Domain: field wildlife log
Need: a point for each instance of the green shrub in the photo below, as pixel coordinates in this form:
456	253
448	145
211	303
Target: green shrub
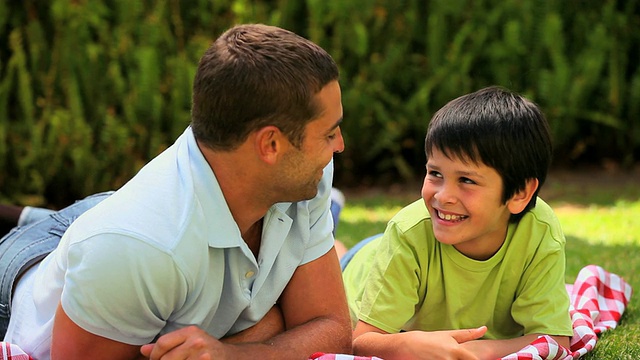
90	90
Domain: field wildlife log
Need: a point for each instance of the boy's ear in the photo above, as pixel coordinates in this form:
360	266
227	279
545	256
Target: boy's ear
521	198
268	143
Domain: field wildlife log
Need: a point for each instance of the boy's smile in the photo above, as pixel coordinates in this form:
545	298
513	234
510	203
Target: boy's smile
464	200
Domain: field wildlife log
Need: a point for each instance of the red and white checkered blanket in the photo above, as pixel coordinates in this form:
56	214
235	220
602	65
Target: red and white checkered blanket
13	352
598	300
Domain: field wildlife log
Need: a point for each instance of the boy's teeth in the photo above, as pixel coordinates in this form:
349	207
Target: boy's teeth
449	217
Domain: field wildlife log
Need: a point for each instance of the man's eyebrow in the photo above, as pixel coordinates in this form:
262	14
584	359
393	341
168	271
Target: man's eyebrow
335	125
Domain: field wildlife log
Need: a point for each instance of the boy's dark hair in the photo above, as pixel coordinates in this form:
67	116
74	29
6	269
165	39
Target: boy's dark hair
500	129
257	75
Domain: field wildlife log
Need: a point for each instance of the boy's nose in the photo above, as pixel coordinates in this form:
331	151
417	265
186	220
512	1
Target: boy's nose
445	195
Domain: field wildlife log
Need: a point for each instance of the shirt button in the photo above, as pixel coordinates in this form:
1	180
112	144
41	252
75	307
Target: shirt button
249	274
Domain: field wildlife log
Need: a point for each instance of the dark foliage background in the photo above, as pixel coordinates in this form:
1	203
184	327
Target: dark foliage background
91	90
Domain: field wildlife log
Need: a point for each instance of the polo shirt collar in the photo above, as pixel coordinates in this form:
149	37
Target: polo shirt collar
214	205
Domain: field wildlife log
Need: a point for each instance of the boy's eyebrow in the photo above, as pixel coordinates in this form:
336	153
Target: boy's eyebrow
470	173
458	172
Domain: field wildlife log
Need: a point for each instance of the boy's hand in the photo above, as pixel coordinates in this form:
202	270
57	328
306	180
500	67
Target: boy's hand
440	345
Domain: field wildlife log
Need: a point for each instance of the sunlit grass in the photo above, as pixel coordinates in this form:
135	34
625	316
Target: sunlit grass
616	224
600	222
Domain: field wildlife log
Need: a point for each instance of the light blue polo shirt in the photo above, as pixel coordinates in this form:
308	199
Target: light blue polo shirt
164	252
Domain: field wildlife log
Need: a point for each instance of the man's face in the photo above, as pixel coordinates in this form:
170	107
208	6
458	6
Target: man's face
302	168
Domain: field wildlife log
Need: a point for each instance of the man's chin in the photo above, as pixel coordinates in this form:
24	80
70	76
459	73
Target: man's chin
301	195
311	194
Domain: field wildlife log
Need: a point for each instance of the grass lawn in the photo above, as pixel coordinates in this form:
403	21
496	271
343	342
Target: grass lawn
599	213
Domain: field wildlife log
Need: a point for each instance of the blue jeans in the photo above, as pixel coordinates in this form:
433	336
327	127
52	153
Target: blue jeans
26	245
344	261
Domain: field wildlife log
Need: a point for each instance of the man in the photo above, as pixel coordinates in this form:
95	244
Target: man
221	245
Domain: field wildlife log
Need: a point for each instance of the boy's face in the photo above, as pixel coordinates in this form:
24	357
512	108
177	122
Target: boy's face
465	203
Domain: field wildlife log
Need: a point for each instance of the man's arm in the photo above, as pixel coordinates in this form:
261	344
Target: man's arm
270	325
69	342
315	315
315	310
414	345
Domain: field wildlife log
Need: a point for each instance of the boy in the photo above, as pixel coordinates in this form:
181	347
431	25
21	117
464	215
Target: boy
479	248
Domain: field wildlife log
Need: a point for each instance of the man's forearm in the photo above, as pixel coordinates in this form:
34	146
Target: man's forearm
328	335
272	324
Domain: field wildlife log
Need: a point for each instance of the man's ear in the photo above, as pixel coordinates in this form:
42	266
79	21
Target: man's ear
268	142
521	198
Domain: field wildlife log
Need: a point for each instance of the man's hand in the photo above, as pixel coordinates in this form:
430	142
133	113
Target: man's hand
187	343
192	342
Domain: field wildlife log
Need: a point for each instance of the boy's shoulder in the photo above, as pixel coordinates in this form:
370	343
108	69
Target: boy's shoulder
410	215
541	222
542	212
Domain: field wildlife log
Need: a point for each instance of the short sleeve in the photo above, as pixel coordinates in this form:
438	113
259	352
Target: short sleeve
319	217
392	287
121	288
542	302
541	305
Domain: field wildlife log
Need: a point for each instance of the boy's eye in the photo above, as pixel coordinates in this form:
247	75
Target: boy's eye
467	181
434	173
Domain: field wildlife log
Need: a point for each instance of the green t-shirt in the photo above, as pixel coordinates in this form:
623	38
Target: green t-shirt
407	280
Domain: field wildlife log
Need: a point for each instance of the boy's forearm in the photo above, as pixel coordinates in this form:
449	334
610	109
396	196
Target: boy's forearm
417	345
381	345
495	349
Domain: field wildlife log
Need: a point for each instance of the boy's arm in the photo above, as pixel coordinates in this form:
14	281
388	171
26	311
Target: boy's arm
414	345
495	349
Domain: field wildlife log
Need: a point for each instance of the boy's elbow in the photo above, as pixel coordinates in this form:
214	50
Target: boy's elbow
563	341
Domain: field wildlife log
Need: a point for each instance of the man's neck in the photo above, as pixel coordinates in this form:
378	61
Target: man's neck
238	180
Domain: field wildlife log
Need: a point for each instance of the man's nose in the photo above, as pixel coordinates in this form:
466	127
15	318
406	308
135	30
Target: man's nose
339	146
